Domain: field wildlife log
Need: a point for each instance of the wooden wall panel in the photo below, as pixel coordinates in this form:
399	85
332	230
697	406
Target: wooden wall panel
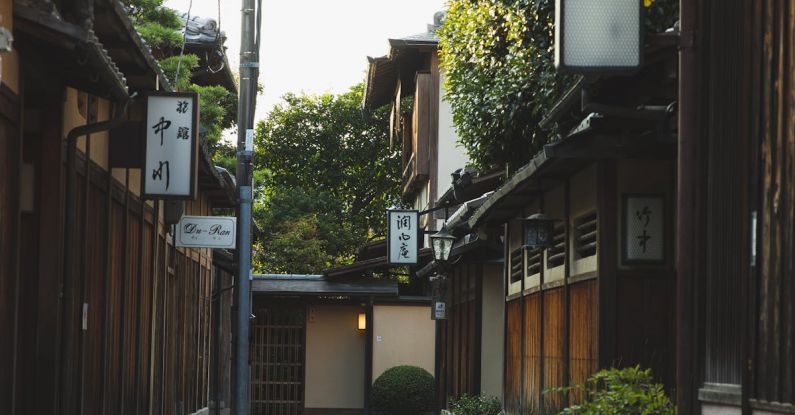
554	341
774	345
9	175
644	331
532	354
131	293
114	311
95	297
513	357
582	334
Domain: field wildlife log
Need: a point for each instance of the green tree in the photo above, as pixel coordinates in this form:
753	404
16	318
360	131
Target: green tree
500	75
160	27
328	174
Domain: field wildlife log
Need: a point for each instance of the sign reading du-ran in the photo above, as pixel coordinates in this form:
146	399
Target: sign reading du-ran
403	237
207	232
171	145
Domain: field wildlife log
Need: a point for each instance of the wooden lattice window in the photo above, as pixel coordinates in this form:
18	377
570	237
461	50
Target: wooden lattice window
516	264
556	255
534	261
585	235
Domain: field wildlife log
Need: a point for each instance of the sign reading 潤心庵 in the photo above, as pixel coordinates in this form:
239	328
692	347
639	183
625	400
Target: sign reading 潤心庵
403	236
171	145
207	232
644	239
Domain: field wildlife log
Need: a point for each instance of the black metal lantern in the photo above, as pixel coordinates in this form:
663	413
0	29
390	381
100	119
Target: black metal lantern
538	231
442	244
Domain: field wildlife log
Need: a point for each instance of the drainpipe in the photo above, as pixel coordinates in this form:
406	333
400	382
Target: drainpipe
688	179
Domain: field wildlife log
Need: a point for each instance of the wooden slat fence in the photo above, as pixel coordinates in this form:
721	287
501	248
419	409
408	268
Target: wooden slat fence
277	360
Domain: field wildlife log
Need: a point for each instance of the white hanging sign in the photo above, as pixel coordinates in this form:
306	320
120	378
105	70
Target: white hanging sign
207	232
171	145
403	237
644	236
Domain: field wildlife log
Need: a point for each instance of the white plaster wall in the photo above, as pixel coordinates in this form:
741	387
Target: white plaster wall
492	339
403	335
334	358
451	155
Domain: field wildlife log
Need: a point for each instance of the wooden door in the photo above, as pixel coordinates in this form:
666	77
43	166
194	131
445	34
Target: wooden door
277	360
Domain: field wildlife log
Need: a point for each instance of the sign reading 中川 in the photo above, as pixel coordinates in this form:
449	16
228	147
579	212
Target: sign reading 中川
644	239
171	145
207	232
403	237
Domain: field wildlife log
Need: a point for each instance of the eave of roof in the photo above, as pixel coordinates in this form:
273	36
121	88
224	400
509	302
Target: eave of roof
318	285
77	51
115	29
382	72
360	268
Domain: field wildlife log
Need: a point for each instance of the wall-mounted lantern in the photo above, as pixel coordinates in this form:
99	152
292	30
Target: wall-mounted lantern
362	321
442	244
598	36
538	231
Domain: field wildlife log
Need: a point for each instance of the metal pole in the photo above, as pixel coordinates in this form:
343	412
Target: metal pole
245	124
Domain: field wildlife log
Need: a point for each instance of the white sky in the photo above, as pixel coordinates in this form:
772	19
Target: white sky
316	46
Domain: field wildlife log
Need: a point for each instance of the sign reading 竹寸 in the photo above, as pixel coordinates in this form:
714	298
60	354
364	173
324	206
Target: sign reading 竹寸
403	237
207	232
171	145
644	237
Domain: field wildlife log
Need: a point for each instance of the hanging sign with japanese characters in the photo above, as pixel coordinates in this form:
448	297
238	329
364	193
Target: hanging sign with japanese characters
207	232
403	237
644	239
171	146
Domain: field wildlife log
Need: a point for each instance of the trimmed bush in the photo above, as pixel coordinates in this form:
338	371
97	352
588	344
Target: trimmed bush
403	390
475	405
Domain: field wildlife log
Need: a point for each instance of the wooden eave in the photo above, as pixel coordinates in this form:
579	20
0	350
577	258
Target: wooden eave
405	59
316	285
360	268
557	162
81	59
128	50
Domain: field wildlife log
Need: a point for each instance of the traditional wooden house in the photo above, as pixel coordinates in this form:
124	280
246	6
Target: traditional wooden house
320	341
424	132
100	312
410	80
736	283
602	294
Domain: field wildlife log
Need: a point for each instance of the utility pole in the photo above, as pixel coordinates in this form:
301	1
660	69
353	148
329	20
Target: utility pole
249	72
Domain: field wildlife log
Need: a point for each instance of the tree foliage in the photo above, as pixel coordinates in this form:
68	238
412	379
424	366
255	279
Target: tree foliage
500	75
160	27
327	166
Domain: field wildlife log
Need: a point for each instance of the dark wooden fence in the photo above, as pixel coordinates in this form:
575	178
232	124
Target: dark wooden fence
131	332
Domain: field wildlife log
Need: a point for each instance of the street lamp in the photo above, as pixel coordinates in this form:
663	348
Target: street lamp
538	231
442	244
598	36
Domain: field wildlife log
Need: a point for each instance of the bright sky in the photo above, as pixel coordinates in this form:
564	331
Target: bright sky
316	46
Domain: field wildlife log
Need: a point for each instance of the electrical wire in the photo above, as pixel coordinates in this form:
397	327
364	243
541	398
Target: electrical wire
184	39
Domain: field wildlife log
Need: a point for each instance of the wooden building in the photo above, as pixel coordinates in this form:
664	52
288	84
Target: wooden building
99	312
736	291
598	297
319	342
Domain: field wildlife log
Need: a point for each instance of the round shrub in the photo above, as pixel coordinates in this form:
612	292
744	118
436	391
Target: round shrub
403	390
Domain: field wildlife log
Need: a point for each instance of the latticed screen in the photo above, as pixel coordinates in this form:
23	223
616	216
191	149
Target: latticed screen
277	361
556	255
516	264
534	261
585	229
